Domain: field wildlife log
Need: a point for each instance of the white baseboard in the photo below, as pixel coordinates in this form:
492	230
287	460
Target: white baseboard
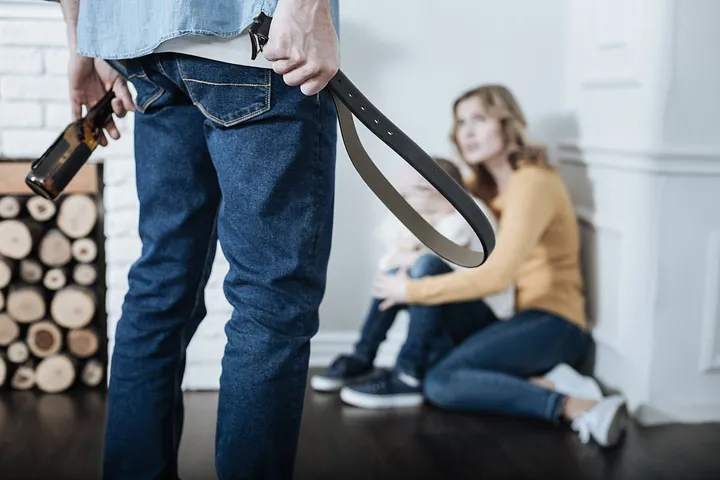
204	374
652	415
325	347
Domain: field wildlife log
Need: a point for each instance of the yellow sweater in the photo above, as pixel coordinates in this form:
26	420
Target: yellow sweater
537	249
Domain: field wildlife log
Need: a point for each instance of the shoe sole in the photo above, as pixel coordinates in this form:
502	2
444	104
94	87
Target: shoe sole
618	425
324	384
364	400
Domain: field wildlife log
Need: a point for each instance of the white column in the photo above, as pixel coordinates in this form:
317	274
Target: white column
644	168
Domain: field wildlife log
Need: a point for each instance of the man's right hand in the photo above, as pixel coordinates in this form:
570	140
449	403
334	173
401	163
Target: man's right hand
303	44
89	80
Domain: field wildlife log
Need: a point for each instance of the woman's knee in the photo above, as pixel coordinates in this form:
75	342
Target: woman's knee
437	388
427	265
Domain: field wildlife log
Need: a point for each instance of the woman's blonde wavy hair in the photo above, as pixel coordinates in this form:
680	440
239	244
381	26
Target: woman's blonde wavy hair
500	103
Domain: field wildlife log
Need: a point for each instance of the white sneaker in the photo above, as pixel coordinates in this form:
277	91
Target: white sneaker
605	422
569	382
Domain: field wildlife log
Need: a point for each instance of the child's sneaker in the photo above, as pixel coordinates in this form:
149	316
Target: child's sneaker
344	369
388	389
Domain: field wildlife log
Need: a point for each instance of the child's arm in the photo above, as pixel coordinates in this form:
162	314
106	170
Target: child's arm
455	228
400	245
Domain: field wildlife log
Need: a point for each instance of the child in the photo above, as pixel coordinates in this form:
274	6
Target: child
402	250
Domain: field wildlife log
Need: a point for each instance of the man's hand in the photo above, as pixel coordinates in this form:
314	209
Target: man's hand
89	80
303	44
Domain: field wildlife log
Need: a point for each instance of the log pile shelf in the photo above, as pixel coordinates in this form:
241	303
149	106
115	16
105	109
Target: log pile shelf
52	289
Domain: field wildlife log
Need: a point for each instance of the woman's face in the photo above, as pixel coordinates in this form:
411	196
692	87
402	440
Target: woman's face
478	135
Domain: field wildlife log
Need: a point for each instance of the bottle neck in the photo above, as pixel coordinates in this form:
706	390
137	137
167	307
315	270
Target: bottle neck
99	115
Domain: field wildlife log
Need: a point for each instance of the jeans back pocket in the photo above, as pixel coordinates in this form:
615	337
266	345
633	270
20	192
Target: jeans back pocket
227	94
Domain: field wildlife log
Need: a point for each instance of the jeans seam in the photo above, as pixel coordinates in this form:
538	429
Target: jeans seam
206	265
147	103
316	177
143	76
160	66
217	84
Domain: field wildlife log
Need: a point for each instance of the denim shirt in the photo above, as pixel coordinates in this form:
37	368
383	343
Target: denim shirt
115	29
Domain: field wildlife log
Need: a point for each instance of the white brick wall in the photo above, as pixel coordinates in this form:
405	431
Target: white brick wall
40	32
20	60
34	109
15	114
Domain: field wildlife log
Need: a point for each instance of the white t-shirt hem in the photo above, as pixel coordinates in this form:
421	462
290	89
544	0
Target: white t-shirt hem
235	50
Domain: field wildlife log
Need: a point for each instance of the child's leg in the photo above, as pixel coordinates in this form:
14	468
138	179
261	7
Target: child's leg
374	331
349	368
433	331
375	328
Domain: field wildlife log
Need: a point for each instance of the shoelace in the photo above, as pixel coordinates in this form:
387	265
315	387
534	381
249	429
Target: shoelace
581	425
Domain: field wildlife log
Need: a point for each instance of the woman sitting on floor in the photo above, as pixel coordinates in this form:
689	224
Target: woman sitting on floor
402	251
519	366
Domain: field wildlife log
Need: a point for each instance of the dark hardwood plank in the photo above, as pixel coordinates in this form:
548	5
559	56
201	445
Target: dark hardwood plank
60	437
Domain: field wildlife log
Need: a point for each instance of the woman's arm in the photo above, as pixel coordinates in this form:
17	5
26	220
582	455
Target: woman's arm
530	204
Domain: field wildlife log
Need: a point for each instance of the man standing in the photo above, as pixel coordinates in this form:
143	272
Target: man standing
226	148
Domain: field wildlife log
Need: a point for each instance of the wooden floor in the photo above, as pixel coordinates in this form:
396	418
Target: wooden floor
60	436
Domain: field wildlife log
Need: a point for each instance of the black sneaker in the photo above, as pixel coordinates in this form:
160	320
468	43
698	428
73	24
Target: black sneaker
389	389
343	370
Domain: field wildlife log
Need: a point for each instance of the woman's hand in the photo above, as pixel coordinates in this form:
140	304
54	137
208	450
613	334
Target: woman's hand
391	288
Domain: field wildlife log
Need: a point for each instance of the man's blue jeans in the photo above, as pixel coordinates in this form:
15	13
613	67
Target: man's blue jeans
228	153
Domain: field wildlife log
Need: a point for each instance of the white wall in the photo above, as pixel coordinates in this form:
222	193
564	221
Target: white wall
643	169
692	102
410	57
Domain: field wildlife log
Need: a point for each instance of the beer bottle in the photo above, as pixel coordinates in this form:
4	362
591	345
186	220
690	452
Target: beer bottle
53	171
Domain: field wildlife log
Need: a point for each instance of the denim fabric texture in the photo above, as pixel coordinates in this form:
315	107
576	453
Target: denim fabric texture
427	339
489	370
229	153
120	29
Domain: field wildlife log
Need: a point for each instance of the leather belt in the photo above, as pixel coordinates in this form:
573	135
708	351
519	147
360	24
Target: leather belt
349	102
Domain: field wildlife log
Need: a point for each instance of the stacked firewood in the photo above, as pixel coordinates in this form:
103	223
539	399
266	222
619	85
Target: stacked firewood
50	306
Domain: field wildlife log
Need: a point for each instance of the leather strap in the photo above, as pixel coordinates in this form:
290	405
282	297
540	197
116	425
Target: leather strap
349	102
